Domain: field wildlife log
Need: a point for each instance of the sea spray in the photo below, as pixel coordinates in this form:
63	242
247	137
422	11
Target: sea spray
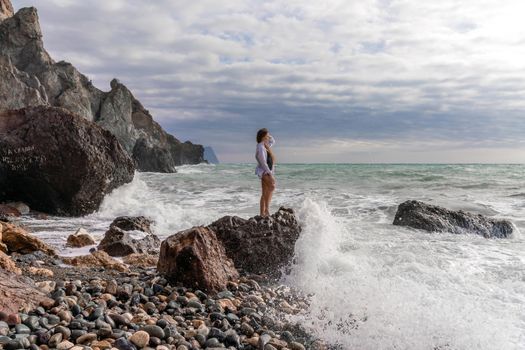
140	198
397	293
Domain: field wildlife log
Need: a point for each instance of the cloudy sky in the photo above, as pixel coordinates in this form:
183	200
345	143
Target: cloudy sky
334	81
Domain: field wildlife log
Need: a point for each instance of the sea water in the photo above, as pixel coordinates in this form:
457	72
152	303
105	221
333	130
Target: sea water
372	285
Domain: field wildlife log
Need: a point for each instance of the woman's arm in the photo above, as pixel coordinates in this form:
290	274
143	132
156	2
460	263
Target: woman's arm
271	141
261	158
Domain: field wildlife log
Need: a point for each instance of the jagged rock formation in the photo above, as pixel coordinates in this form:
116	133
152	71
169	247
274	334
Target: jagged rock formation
121	238
30	77
210	156
58	162
6	9
432	218
259	245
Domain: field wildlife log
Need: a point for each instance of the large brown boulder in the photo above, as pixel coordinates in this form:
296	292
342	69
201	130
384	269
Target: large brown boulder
20	241
196	258
259	245
58	162
18	293
432	218
130	235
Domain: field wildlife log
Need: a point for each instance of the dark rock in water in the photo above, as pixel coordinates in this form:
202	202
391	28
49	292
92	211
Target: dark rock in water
432	218
119	240
133	223
210	156
196	258
58	162
259	245
30	77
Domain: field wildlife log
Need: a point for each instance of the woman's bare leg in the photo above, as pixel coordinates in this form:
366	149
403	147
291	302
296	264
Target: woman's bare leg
270	187
262	202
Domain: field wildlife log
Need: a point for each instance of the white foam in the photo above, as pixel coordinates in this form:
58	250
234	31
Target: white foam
137	198
400	289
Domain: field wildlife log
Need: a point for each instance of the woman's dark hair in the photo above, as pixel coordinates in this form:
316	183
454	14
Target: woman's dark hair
261	134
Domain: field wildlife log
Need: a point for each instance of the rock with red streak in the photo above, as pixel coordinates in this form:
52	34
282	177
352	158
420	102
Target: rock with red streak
18	293
196	258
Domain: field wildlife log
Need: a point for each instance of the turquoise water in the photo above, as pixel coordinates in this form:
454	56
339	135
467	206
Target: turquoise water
373	285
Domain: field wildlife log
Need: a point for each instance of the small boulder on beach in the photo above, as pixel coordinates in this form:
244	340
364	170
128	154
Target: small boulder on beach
433	218
196	258
20	241
96	258
130	235
80	239
259	245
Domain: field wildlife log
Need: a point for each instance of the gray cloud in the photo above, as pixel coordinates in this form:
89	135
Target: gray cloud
389	80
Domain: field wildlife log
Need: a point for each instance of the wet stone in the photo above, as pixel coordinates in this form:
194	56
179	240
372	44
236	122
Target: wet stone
212	342
217	333
42	337
96	314
4	340
32	322
296	346
76	333
86	338
55	340
22	329
66	332
123	344
154	331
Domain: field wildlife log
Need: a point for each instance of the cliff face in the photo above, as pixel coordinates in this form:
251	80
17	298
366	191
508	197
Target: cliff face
30	77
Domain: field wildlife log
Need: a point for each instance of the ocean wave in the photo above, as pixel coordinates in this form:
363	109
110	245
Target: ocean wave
393	288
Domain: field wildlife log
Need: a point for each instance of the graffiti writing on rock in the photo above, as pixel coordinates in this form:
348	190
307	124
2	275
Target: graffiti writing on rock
20	158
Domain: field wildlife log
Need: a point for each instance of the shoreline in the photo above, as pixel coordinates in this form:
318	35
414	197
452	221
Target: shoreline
255	308
132	306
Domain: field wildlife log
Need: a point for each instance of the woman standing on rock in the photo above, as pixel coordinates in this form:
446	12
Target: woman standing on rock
265	168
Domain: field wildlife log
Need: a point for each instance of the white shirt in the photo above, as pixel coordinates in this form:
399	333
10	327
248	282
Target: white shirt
261	155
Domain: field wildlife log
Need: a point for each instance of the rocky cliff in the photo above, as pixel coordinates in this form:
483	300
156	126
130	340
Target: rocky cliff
30	77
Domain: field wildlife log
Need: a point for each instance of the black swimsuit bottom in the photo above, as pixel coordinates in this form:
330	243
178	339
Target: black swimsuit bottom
269	161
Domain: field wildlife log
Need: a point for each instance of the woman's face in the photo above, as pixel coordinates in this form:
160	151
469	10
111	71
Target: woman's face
266	138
